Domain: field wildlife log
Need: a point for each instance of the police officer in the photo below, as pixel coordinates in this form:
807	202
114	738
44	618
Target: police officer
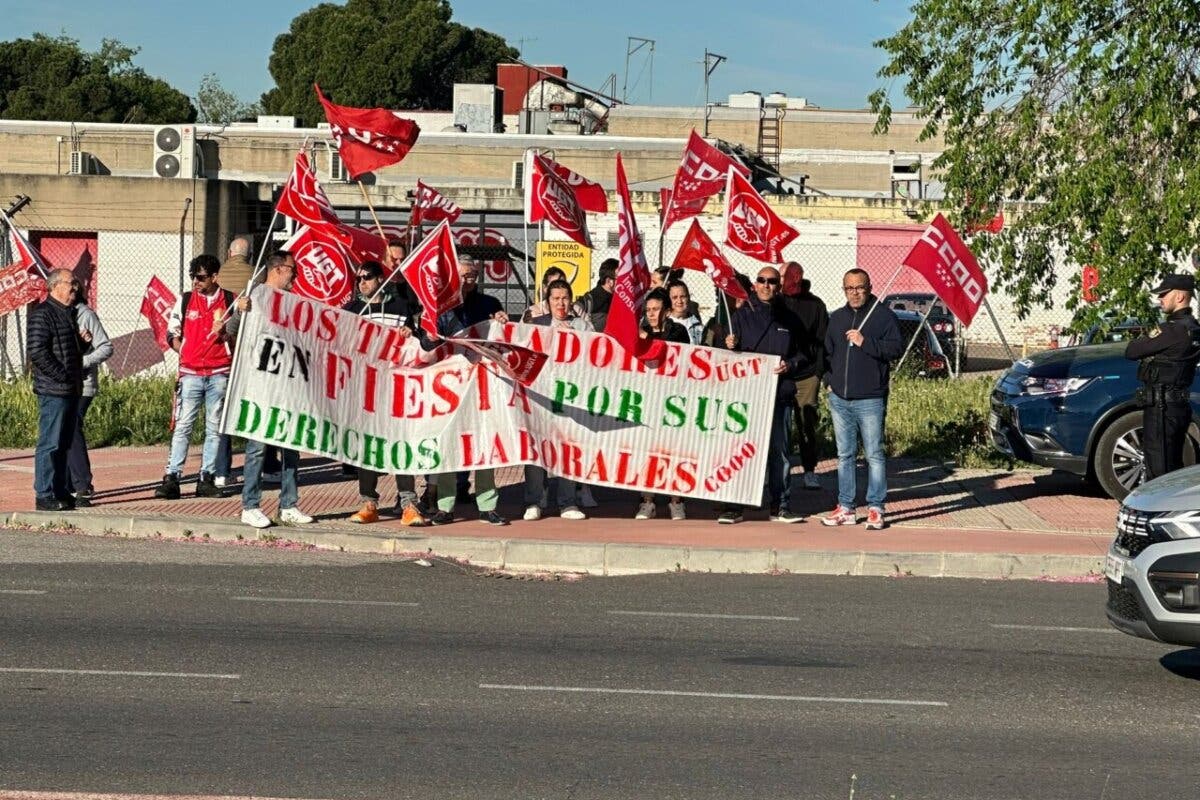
1168	356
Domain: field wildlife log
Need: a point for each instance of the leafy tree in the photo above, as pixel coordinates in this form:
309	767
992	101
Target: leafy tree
219	105
1085	112
399	54
44	78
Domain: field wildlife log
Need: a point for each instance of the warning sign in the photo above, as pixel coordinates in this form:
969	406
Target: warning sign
572	258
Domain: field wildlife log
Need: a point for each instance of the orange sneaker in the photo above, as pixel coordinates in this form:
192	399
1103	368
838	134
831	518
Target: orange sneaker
412	518
367	514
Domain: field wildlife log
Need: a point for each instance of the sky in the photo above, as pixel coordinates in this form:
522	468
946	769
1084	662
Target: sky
821	50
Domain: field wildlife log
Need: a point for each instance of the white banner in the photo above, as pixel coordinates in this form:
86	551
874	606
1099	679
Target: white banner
311	377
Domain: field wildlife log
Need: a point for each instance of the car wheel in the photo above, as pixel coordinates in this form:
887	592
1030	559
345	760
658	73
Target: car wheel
1118	462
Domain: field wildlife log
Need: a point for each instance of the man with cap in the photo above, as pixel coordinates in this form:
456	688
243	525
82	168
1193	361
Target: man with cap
1168	356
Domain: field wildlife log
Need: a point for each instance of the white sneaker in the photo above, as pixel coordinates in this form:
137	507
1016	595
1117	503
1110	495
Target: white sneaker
585	497
220	482
676	510
810	481
255	518
533	513
646	510
294	516
572	512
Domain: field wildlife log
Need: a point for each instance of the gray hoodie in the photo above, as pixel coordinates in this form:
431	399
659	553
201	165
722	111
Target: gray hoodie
99	350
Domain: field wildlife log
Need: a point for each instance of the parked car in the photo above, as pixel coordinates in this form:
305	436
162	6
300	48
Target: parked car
926	358
1152	569
1073	409
1118	332
943	324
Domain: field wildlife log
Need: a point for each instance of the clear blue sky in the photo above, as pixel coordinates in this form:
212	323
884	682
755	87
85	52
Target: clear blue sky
818	49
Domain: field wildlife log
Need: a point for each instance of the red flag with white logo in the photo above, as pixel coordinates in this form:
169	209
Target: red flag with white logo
26	255
518	362
951	269
431	269
324	267
548	197
751	227
674	212
589	194
368	138
633	276
157	303
702	171
304	201
699	252
19	287
430	205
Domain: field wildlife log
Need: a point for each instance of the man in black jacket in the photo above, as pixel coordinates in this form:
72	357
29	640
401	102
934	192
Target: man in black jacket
595	303
812	321
56	356
862	340
764	325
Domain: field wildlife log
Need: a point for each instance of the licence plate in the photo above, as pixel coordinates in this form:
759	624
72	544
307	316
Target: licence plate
993	421
1114	568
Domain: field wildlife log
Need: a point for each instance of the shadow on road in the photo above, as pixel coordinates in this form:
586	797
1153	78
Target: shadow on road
1184	663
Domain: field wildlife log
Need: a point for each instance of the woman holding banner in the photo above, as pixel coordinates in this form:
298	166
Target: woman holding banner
658	325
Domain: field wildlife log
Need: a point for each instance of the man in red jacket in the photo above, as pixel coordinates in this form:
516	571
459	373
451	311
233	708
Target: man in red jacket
195	330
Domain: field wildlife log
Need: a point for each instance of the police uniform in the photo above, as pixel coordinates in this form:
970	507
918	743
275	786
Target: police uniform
1168	357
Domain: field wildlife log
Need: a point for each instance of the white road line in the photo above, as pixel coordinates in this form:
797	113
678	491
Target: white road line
120	672
701	616
716	695
22	591
1058	628
22	795
319	601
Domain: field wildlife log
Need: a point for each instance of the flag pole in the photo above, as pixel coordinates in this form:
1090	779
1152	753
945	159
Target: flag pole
366	198
881	295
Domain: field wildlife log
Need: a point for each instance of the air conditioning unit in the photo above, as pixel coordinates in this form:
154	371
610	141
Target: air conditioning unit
84	163
175	151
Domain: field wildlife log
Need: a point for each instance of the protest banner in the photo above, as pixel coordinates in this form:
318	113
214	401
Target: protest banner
310	377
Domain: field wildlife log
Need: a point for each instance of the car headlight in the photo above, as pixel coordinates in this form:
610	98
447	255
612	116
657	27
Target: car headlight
1179	524
1056	386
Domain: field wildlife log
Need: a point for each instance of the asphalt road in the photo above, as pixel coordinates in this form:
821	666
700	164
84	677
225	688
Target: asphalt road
155	668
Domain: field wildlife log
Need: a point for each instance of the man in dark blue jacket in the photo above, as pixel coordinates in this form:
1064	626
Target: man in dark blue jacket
764	325
56	356
862	340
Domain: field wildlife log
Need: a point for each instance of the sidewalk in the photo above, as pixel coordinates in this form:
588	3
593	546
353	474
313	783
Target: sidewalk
966	523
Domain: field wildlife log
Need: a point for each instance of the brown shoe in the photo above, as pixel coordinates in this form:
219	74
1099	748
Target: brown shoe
368	513
411	517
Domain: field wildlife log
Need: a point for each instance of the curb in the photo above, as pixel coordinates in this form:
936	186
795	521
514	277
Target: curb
593	558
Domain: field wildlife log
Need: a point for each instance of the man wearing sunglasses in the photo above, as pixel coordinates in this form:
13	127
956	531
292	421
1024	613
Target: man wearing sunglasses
764	325
196	331
383	303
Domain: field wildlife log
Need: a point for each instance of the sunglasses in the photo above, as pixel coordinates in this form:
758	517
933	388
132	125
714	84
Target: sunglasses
767	281
199	276
363	277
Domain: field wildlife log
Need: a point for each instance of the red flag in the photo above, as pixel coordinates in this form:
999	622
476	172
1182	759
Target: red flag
430	205
431	269
324	268
368	138
363	244
589	194
950	268
303	200
674	212
702	171
751	227
993	225
18	288
26	255
518	362
549	197
633	276
157	303
699	252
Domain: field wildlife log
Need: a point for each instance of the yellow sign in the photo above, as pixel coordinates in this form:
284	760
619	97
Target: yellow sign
572	258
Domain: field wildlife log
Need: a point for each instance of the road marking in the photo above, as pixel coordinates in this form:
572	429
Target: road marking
701	616
319	601
10	795
119	672
716	695
1056	628
22	591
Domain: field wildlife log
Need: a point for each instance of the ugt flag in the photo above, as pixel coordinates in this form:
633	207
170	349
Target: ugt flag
431	269
699	252
633	276
368	138
751	227
951	269
157	303
549	197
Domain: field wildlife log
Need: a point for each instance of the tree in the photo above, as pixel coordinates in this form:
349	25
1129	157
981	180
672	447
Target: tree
44	78
220	106
400	54
1083	112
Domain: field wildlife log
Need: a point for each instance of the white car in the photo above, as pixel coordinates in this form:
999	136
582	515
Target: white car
1153	567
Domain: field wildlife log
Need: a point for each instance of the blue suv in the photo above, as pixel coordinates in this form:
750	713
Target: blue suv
1073	409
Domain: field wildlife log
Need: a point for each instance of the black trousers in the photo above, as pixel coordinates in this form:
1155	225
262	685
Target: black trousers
79	465
1164	433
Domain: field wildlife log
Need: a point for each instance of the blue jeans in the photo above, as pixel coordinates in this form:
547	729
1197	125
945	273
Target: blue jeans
79	465
224	456
852	419
536	481
57	417
779	466
193	391
252	470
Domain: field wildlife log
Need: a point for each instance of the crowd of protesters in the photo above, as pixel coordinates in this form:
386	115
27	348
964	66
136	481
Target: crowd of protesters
844	357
